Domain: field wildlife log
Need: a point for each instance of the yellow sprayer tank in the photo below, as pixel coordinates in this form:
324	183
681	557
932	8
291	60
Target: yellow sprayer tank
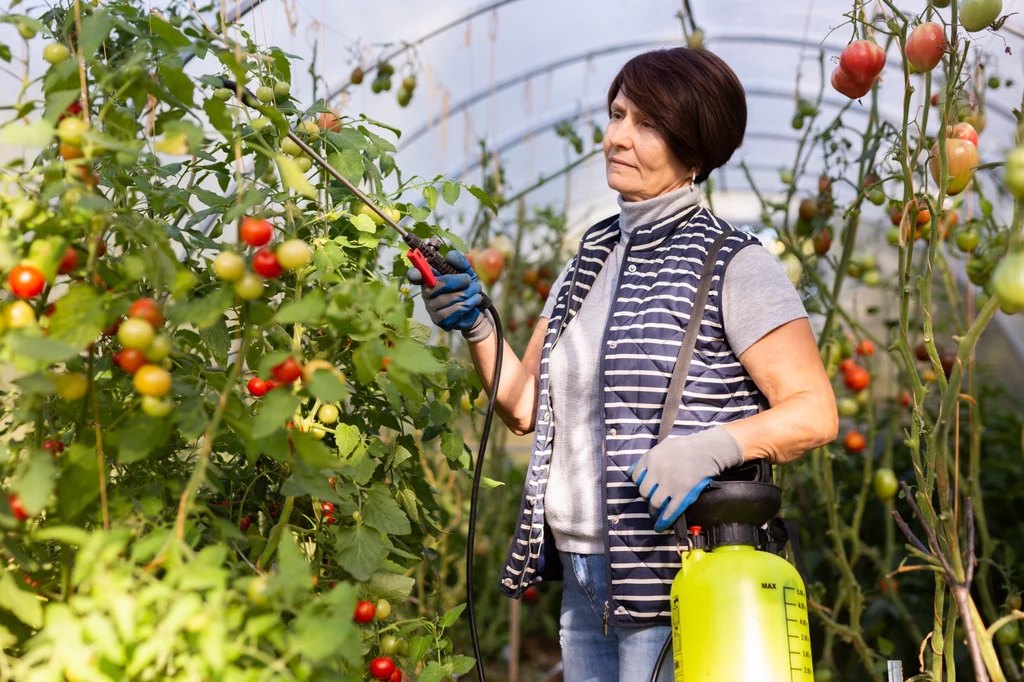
739	614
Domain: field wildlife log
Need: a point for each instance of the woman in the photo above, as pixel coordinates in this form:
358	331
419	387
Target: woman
594	377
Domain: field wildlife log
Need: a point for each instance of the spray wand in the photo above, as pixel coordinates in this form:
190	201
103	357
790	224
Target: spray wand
426	257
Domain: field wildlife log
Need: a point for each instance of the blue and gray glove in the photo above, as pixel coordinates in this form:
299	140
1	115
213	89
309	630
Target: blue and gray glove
674	472
453	301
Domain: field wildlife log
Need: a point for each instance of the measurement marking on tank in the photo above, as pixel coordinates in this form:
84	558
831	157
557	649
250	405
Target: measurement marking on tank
796	625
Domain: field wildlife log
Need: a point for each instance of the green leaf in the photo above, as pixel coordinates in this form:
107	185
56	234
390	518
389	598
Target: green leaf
419	645
34	481
41	348
434	672
57	102
381	511
276	408
450	191
140	437
414	357
20	603
163	29
79	484
310	309
420	332
348	162
460	665
312	451
390	586
363	223
217	338
69	535
483	197
451	445
203	312
326	387
78	318
346	438
292	176
38	133
360	551
408	499
293	569
95	29
217	112
347	138
307	481
451	616
430	195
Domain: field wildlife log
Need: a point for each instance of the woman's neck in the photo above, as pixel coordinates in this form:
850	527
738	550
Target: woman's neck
633	214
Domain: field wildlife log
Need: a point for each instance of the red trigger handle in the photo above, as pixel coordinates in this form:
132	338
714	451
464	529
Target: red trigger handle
419	261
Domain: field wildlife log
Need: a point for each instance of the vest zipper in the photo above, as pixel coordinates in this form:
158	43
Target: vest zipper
604	443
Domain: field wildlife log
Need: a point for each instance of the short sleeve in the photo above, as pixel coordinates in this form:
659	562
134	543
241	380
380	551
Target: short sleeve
549	305
757	298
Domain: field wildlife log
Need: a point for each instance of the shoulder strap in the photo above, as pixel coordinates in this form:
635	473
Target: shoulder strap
675	388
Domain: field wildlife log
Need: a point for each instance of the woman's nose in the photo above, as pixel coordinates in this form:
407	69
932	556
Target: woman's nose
618	135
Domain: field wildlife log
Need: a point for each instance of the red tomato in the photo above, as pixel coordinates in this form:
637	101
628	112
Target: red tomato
905	399
73	109
271	384
255	232
822	240
287	372
257	387
490	264
327	506
846	365
854	441
365	611
857	379
17	507
382	668
266	265
396	676
844	84
130	359
865	347
926	46
54	447
530	594
965	131
148	310
862	60
26	281
69	262
330	519
245	523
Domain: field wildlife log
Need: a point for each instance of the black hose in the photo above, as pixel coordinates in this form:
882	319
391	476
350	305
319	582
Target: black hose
478	471
661	658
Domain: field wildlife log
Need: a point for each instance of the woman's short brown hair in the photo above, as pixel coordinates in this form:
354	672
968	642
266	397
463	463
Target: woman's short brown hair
693	98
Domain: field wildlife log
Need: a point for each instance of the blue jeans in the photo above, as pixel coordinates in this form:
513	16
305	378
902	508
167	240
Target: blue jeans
588	655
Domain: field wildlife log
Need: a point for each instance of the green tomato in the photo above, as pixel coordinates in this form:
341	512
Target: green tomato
249	286
260	123
403	648
1009	633
304	163
26	31
871	278
979	271
1008	280
806	107
265	94
136	333
328	414
994	82
290	147
229	266
282	88
159	349
968	240
383	610
71	129
848	407
940	3
71	386
389	645
885	484
976	15
798	121
1013	172
786	176
893	236
876	197
404	97
156	407
55	53
223	94
310	128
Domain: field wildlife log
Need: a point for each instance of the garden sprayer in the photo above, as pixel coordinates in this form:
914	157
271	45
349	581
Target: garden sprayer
424	254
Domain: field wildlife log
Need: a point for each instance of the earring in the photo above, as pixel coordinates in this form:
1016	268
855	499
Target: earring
693	182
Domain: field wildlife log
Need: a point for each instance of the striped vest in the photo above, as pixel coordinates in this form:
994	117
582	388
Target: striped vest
661	267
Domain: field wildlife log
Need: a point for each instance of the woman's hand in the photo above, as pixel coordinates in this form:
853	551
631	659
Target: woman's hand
674	472
453	302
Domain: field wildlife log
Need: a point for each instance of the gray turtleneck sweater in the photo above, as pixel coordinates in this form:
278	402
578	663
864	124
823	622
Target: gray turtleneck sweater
757	298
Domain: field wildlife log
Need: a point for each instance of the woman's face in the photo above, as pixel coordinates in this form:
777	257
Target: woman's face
638	162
